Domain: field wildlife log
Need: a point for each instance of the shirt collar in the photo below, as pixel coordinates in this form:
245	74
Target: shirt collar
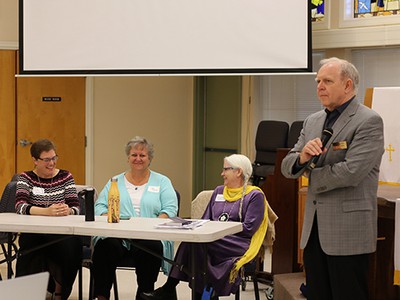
341	108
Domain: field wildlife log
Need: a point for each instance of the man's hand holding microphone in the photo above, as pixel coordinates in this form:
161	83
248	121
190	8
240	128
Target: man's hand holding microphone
314	148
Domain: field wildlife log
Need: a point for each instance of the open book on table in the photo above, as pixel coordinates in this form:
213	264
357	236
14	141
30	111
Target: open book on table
179	223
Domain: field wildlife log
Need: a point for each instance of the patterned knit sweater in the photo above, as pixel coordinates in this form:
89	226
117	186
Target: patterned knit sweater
33	190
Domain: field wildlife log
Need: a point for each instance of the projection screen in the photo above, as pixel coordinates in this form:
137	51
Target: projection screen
164	36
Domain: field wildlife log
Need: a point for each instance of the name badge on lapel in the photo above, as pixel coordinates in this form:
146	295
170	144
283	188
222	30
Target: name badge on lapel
340	145
220	198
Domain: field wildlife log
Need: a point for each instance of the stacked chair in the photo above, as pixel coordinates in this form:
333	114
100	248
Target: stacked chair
270	136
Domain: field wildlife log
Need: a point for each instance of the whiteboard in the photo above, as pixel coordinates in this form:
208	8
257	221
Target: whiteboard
164	36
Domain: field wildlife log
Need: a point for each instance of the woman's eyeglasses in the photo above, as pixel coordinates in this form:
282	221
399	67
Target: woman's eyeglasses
49	159
228	168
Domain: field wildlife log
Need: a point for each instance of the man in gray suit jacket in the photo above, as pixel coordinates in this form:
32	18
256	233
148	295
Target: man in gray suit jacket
340	220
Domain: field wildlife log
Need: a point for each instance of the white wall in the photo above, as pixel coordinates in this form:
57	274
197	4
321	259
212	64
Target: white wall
8	24
360	41
159	108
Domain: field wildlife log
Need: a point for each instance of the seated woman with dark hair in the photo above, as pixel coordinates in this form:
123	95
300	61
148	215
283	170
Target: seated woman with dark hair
234	201
48	191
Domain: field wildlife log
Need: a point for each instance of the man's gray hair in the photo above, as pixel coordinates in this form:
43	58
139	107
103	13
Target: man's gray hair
347	70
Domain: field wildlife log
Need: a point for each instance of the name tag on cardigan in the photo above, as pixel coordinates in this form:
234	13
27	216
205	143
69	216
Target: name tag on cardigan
154	189
340	145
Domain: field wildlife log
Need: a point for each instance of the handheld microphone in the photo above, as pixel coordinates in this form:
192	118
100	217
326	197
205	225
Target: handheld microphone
326	135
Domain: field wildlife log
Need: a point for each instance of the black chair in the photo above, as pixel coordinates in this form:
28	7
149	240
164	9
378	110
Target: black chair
270	136
86	241
7	204
249	273
294	133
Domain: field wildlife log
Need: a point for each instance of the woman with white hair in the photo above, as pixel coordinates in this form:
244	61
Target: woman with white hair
234	201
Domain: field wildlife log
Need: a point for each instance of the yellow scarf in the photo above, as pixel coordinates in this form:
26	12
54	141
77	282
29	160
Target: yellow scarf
258	237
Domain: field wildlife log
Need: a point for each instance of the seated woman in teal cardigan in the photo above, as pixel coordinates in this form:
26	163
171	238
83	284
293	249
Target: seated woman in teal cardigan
143	193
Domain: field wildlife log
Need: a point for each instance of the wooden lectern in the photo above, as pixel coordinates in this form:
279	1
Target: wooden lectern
382	261
281	194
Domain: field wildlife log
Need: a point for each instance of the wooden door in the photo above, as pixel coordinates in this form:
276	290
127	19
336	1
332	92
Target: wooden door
7	116
223	123
217	127
53	108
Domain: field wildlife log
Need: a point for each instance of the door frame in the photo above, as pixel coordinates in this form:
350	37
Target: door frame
199	134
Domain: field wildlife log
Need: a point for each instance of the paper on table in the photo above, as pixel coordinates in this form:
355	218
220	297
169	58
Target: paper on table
179	223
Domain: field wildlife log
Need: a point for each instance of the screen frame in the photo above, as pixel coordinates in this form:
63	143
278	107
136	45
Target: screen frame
23	70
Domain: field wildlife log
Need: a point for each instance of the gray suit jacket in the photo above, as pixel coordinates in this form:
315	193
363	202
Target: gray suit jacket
343	186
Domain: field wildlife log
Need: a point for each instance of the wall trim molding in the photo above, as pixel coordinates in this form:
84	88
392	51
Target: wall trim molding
377	36
4	45
89	131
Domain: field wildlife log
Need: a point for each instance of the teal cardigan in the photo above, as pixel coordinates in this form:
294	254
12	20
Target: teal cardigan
160	197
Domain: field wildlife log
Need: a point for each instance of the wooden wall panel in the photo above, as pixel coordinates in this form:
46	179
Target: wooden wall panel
7	115
63	121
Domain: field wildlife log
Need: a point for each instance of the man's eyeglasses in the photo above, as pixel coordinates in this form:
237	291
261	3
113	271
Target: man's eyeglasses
49	159
228	168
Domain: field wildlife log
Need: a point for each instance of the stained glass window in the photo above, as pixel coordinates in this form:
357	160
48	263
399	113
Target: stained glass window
374	8
317	10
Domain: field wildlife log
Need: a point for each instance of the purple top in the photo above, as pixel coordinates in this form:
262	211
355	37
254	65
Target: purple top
223	253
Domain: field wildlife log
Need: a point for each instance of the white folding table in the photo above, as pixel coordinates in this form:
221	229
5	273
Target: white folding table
135	228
